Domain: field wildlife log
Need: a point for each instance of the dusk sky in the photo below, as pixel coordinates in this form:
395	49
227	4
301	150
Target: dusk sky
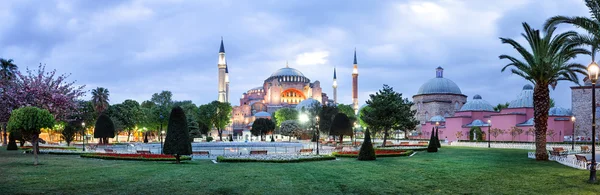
137	48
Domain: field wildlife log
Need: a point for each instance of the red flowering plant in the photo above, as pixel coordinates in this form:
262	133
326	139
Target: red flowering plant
146	157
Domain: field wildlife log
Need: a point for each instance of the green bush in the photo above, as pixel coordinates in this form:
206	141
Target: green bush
366	150
222	159
177	141
104	129
432	147
209	139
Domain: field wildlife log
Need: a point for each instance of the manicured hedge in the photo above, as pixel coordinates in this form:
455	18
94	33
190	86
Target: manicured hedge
223	159
400	153
141	157
401	148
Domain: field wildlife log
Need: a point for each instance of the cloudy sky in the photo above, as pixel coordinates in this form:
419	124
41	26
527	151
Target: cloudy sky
137	48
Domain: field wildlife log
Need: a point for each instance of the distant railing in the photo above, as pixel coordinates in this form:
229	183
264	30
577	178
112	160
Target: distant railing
525	146
571	162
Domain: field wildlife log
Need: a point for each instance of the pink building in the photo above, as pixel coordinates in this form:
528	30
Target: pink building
514	123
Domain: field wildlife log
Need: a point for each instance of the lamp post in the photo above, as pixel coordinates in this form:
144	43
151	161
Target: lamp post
83	125
355	126
489	133
161	141
593	70
161	132
573	137
318	136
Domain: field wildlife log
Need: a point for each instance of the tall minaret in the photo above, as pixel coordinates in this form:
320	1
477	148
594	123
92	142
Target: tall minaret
355	85
226	82
334	87
222	69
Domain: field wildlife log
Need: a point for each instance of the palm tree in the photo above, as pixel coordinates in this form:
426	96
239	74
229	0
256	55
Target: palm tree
8	69
544	65
100	99
591	25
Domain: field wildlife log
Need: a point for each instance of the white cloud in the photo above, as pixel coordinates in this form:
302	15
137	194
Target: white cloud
312	58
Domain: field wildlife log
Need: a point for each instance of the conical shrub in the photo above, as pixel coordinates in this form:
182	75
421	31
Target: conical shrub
437	138
367	152
12	143
177	141
104	129
432	147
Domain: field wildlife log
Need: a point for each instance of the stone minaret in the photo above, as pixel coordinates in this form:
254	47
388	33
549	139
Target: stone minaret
226	82
222	65
355	85
334	87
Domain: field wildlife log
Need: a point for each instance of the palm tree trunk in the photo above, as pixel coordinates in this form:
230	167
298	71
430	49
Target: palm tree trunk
385	135
541	105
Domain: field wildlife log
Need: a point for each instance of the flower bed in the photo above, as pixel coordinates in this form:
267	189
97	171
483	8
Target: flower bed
50	148
378	153
420	148
274	158
144	157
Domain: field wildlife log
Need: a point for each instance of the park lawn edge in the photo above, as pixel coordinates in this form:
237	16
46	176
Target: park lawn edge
242	160
132	158
407	153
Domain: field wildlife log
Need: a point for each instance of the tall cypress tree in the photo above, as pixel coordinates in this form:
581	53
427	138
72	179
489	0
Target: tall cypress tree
104	129
432	147
177	141
366	150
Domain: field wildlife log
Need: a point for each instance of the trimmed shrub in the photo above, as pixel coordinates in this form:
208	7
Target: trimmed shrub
209	139
12	143
177	141
104	129
68	134
432	147
366	150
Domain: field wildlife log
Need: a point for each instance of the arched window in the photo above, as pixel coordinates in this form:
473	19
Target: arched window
456	106
426	116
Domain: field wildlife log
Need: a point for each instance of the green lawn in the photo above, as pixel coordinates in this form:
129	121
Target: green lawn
450	171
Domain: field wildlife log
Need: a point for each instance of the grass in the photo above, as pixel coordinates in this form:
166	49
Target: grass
452	170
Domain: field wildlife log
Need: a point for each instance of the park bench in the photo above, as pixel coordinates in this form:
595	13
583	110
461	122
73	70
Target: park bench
389	143
404	143
258	152
584	160
107	150
585	149
308	150
560	150
143	151
201	153
423	143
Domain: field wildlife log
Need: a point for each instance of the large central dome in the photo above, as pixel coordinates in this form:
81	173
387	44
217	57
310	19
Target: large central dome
287	72
439	85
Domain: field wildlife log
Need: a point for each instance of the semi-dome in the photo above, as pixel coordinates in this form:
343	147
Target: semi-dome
524	99
439	84
262	115
287	71
527	123
307	104
437	118
478	123
477	104
559	111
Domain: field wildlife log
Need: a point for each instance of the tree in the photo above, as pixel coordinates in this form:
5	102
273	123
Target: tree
285	114
8	70
552	103
459	134
551	134
514	132
367	152
326	118
193	128
546	64
590	25
129	114
85	113
349	111
29	121
100	99
163	104
7	74
104	129
387	110
290	128
222	116
341	126
12	142
205	114
262	126
432	147
530	131
496	132
499	107
177	141
68	134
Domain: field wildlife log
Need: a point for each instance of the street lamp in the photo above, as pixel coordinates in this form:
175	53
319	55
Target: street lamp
355	126
489	133
593	70
573	137
83	125
318	136
161	141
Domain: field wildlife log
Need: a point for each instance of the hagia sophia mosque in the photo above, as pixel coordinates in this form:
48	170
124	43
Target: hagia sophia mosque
438	102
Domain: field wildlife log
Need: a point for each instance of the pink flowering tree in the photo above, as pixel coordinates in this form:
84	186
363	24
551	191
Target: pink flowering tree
38	88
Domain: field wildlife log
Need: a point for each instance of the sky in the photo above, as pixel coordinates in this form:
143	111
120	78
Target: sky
135	48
